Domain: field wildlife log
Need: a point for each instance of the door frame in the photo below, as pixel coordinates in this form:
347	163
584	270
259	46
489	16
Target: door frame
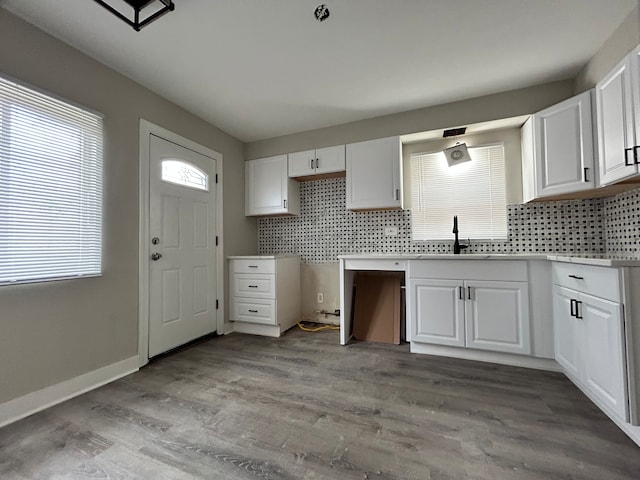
144	248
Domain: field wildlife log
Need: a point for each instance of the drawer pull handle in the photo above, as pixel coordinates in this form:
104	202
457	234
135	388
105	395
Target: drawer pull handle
461	295
578	313
253	311
252	266
576	277
253	286
636	157
468	293
573	307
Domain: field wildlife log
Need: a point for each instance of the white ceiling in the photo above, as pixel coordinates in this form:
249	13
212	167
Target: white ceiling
264	68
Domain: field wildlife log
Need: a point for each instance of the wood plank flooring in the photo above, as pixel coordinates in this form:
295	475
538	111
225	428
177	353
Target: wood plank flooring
302	407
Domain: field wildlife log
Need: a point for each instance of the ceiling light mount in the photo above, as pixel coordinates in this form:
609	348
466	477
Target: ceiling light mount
153	9
321	12
457	154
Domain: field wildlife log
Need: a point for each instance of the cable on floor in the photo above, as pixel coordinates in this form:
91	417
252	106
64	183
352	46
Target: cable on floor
309	328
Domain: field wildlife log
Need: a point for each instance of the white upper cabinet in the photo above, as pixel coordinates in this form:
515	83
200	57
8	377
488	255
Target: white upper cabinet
557	150
317	162
618	152
268	189
374	174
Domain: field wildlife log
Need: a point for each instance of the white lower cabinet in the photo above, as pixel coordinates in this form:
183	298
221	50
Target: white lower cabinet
589	339
265	293
485	315
439	312
497	316
565	331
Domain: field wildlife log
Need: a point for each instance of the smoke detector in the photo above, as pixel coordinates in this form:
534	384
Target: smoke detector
321	13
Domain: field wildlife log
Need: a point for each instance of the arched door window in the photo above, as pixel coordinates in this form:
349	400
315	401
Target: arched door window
182	173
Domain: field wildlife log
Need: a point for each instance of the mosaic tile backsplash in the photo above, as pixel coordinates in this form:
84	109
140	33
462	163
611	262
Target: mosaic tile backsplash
325	228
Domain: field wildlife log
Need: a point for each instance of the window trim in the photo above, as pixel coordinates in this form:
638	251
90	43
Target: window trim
59	98
496	143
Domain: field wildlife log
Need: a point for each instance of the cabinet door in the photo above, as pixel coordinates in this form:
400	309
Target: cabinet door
566	331
614	109
374	174
302	163
564	147
635	88
268	188
604	353
437	312
330	159
497	316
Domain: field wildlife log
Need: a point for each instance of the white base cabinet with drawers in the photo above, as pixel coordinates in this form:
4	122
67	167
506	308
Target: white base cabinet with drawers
265	293
590	333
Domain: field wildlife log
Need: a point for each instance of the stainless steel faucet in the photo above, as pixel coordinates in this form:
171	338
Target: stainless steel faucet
457	248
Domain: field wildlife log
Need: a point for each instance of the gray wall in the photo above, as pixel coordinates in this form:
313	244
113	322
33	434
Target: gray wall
51	332
466	112
622	41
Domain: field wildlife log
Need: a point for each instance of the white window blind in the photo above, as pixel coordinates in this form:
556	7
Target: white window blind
474	191
50	187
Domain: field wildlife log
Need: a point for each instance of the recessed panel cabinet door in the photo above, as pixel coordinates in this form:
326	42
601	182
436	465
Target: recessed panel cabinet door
302	163
438	312
567	334
497	316
616	136
564	147
604	354
268	189
330	159
374	174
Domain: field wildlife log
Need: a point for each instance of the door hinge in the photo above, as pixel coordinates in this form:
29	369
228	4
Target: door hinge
216	178
216	240
217	304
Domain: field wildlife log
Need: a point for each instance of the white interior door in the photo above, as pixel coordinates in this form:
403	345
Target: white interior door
182	232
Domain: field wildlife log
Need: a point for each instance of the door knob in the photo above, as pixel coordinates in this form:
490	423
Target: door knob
155	256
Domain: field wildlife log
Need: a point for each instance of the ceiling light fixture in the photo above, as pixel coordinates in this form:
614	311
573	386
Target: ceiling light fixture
321	13
153	9
457	154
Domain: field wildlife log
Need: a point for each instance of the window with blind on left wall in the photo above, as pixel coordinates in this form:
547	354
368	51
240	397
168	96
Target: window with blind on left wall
50	187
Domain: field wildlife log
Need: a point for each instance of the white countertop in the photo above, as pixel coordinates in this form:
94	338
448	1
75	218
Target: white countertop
581	258
263	257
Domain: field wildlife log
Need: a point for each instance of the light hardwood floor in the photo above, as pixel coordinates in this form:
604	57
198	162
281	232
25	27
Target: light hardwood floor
302	407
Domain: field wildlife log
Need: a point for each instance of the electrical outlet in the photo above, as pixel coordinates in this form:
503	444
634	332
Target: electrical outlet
390	231
320	298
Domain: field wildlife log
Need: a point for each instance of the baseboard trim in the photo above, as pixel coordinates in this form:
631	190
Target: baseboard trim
228	328
511	359
257	329
34	402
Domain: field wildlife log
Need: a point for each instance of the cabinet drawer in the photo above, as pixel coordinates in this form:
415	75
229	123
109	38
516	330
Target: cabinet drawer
256	286
501	270
253	266
375	264
254	311
601	282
